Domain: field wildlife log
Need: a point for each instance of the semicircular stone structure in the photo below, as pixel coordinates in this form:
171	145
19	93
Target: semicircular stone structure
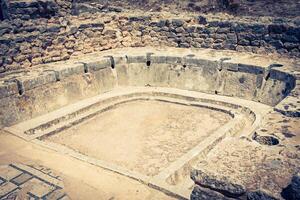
231	121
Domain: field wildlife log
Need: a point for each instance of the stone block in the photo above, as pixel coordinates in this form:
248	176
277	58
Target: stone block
40	188
259	195
252	69
19	180
277	28
9	172
69	70
290	38
174	60
8	89
37	80
276	43
7	188
99	64
158	59
230	66
200	193
136	59
281	76
218	183
177	22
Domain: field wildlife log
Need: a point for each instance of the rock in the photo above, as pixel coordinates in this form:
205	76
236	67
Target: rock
259	195
217	183
161	23
179	30
139	18
289	38
200	193
289	45
276	43
292	191
232	38
223	30
53	28
177	22
255	43
244	42
220	36
277	28
202	20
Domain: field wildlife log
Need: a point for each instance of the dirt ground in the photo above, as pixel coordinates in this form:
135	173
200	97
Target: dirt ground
143	136
81	180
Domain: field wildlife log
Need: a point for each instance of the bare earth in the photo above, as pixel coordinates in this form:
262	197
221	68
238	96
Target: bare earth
143	136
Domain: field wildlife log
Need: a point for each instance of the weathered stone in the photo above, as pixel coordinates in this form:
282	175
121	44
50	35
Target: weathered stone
200	193
277	28
276	43
259	195
53	28
292	191
244	42
290	45
217	183
223	30
289	38
255	43
179	30
202	20
177	22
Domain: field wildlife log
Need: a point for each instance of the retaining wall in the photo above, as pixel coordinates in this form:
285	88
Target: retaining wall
44	89
27	43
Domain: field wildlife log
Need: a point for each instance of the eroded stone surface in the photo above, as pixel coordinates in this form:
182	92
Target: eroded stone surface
25	182
253	165
146	135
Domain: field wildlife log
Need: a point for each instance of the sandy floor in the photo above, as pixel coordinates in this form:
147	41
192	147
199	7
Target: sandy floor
81	180
143	136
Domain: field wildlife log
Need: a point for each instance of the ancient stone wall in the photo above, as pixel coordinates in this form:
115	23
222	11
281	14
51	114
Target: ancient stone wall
30	93
271	8
34	9
35	41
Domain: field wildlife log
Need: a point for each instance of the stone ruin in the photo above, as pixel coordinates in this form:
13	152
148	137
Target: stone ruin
204	104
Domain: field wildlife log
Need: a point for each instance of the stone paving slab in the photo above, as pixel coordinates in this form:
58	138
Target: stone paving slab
19	181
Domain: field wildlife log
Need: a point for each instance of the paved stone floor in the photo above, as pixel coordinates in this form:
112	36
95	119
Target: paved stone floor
19	181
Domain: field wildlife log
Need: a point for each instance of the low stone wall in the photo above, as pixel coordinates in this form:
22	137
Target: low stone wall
27	43
52	86
34	9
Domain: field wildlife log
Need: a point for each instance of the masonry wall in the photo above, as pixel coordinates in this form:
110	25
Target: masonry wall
31	42
26	95
34	9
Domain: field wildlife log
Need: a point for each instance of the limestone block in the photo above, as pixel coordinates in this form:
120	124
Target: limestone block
136	59
69	70
8	89
100	63
158	59
218	183
36	81
173	60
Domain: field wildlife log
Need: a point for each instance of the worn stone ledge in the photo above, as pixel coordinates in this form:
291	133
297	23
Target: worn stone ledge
218	183
101	63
